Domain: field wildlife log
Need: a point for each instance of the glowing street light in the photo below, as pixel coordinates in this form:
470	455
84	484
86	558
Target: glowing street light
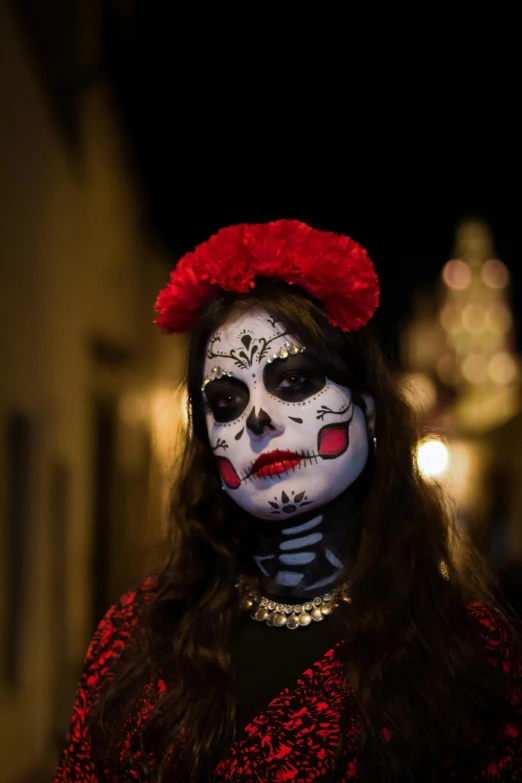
432	458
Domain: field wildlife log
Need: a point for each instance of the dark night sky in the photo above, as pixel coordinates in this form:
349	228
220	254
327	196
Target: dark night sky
392	143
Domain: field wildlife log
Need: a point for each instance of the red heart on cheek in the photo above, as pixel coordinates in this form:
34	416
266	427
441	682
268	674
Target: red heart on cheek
332	440
228	473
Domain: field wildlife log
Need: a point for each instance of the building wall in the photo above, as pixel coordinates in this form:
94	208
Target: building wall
78	284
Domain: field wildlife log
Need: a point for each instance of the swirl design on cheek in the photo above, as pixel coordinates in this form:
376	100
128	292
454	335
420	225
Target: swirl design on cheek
334	439
221	444
324	410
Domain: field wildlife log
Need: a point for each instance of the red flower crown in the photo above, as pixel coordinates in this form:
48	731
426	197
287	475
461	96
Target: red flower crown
331	267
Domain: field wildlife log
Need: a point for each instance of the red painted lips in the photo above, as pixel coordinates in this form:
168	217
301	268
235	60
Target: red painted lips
273	462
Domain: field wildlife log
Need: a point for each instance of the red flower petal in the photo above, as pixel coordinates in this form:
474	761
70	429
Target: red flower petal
332	268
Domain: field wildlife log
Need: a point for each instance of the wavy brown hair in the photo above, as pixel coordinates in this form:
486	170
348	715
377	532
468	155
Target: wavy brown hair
415	657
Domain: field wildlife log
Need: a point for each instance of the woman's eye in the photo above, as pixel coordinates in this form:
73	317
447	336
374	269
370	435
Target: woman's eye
292	381
226	400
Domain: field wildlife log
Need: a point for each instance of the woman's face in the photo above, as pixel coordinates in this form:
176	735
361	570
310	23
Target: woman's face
286	438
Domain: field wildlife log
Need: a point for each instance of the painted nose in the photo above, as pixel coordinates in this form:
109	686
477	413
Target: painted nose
256	422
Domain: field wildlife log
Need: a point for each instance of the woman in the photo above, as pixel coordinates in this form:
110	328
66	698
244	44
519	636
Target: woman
298	508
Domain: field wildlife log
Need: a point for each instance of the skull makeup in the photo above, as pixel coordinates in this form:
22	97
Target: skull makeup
287	439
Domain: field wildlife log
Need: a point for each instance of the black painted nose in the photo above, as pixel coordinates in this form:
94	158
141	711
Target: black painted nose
256	422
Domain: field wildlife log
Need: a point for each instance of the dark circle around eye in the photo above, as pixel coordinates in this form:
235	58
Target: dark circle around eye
310	378
226	399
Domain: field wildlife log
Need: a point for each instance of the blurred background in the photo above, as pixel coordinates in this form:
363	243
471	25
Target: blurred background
129	132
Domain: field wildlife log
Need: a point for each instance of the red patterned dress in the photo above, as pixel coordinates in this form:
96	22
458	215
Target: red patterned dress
294	738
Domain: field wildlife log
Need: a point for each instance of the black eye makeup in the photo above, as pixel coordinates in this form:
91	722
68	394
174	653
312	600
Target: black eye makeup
293	379
226	398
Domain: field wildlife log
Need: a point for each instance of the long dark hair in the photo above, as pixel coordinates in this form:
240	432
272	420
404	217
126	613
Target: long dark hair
414	656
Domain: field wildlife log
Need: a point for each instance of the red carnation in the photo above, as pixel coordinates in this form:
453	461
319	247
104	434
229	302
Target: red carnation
332	268
178	304
227	261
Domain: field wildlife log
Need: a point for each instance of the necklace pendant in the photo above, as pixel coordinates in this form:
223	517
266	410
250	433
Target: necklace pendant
265	610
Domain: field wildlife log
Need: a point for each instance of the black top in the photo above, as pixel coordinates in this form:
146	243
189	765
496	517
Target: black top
268	659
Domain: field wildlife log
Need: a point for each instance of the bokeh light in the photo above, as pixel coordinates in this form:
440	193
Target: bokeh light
498	318
473	318
456	274
432	457
462	342
451	317
474	368
495	274
502	368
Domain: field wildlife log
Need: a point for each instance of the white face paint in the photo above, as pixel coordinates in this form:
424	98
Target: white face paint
287	439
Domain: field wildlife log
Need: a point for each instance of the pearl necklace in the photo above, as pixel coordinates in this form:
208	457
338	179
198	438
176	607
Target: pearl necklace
294	616
290	616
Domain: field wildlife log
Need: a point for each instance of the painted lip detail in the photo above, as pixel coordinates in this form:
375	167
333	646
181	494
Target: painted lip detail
273	462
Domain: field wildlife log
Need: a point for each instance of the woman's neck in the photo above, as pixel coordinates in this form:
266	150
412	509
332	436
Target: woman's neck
304	556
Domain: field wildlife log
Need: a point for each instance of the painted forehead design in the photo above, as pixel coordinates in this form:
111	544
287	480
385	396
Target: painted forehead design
251	349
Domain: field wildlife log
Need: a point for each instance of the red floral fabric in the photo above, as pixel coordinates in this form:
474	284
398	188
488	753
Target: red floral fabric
331	267
294	739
